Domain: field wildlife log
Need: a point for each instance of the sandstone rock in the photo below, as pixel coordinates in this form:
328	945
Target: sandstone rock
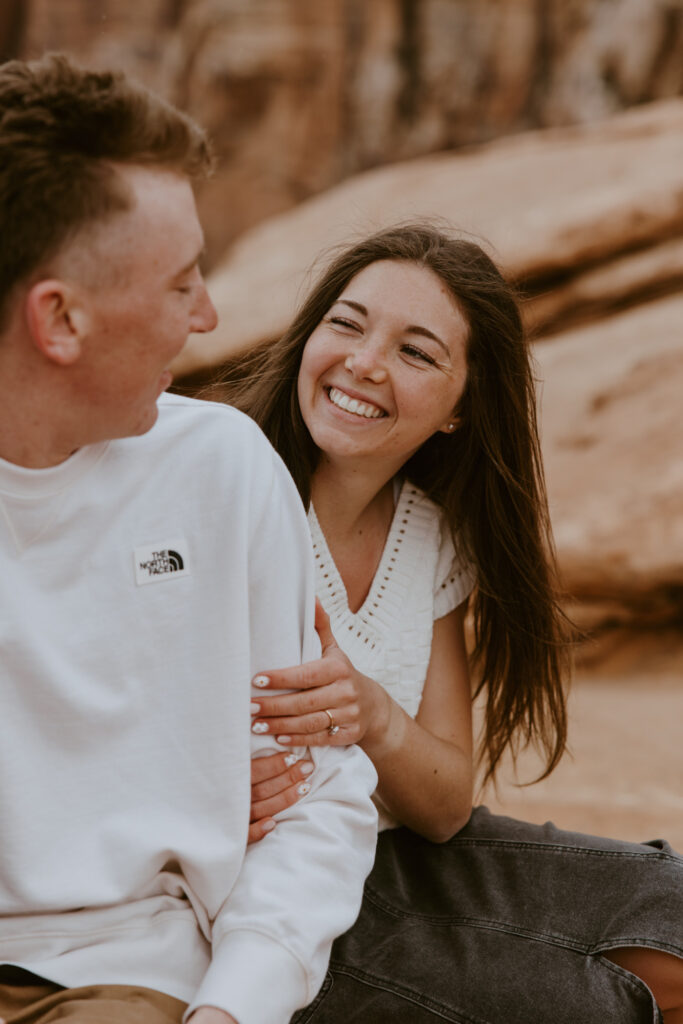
300	95
607	287
550	203
123	34
265	78
613	448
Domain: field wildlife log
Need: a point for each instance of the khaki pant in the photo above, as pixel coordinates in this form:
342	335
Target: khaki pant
27	999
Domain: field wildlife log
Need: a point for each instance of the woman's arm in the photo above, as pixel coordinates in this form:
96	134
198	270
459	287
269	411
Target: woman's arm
424	765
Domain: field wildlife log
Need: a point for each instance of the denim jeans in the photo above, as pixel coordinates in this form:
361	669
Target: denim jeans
504	924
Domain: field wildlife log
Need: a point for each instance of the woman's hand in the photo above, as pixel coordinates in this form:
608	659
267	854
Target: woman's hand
277	782
332	704
355	703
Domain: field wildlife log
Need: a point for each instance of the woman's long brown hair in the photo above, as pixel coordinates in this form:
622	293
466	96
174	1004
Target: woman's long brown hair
487	478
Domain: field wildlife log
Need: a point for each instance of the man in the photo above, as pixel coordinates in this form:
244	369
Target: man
153	556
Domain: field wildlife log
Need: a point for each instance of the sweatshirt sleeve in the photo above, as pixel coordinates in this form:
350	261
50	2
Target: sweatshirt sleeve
302	884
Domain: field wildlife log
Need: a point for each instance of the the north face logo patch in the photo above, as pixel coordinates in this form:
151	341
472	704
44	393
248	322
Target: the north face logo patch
155	563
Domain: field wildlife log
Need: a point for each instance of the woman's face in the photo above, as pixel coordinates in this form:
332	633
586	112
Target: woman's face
385	367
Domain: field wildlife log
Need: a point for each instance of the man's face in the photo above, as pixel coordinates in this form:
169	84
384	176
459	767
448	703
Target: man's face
144	294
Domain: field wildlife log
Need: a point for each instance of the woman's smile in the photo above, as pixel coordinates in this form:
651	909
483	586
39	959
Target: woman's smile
362	408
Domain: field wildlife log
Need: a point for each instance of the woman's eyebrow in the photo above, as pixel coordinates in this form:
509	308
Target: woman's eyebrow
411	329
354	305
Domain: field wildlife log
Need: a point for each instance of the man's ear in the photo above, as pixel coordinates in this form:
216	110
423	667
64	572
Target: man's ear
56	320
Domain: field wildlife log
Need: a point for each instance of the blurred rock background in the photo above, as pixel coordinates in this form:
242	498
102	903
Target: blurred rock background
553	130
301	94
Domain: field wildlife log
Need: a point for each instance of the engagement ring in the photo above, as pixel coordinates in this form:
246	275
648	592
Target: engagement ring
333	728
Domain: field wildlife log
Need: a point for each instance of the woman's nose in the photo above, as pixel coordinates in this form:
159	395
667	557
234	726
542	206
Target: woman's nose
366	363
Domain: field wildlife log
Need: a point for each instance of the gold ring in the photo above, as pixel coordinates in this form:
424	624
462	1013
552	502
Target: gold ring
332	728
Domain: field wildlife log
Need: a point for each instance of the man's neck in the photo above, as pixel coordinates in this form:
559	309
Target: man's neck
20	449
34	430
29	437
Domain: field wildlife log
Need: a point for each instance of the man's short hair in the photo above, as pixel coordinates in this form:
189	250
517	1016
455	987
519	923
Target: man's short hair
61	129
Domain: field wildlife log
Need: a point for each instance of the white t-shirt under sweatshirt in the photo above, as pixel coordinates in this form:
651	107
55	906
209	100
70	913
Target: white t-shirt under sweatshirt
143	583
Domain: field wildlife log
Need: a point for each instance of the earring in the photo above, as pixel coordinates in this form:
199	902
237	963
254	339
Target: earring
451	426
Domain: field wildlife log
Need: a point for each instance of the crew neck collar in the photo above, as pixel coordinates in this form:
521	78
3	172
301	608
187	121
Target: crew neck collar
23	482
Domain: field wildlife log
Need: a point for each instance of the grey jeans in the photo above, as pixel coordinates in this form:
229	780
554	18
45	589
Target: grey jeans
504	924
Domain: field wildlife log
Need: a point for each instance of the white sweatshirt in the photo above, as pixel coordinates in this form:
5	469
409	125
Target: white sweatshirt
144	581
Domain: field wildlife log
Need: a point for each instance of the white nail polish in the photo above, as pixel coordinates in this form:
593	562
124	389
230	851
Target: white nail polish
306	768
291	759
254	708
259	727
303	789
260	681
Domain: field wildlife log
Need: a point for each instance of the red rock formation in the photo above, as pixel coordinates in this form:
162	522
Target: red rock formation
300	95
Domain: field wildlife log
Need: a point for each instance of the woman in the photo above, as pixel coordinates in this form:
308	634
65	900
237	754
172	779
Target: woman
402	401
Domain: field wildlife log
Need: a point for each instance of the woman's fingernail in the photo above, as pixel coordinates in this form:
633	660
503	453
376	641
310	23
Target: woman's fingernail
259	727
268	826
303	789
260	681
284	740
254	708
291	759
306	768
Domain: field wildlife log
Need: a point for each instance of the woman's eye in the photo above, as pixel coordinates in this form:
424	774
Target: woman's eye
341	321
417	353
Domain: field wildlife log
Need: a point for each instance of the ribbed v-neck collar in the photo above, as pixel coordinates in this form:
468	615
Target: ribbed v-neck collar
391	583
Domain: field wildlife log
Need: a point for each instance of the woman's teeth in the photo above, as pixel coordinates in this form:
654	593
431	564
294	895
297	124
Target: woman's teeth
370	412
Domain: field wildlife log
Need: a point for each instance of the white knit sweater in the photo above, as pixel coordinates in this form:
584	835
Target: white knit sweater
419	579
